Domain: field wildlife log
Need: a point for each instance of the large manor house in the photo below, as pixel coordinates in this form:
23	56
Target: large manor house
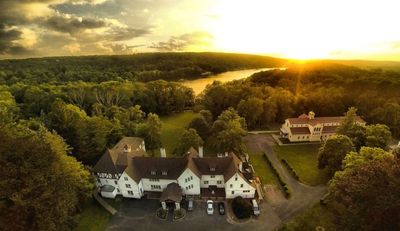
310	128
127	170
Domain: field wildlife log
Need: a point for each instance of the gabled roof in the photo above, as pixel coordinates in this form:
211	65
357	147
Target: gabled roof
173	192
128	156
300	130
329	129
106	163
317	120
115	160
173	166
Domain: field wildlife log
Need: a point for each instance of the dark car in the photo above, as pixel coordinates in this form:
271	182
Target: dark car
221	208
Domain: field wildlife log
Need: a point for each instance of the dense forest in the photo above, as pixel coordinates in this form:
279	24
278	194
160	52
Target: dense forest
68	110
139	67
327	89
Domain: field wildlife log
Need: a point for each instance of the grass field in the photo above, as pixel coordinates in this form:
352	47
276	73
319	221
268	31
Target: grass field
316	216
94	217
263	170
172	128
304	159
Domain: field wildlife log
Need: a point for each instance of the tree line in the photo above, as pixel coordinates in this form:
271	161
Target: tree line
139	67
327	89
364	193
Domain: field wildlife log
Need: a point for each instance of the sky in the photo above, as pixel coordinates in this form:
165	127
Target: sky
301	29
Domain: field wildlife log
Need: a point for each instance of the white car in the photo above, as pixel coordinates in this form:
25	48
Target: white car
210	207
256	209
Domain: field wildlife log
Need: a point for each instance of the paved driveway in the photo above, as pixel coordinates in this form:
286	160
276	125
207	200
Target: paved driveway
140	215
303	196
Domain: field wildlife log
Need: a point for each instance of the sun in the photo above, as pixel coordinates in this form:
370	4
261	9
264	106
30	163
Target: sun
294	29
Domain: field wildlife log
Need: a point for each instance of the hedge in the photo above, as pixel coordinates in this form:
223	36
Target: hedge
282	183
291	169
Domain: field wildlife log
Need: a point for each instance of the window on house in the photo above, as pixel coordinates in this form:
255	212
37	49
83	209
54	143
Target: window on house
191	186
241	185
212	176
219	182
235	178
246	191
164	173
126	178
127	185
130	192
153	172
116	182
191	177
186	180
98	180
231	185
118	190
206	182
233	192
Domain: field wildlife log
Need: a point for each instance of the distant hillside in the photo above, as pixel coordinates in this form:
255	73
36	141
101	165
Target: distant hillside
137	67
369	64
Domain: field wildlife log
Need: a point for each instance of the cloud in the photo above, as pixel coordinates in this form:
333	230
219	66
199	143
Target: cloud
182	42
9	41
72	24
121	34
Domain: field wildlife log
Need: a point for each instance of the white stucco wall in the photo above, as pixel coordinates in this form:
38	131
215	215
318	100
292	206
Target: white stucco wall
236	181
212	180
161	182
134	187
189	182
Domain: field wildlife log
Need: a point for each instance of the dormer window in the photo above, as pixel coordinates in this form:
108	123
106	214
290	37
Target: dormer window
153	172
164	173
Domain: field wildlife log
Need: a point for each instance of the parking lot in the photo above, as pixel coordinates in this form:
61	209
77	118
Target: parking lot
140	215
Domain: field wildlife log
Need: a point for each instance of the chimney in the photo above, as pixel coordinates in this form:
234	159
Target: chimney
201	151
163	153
226	154
241	167
311	115
127	148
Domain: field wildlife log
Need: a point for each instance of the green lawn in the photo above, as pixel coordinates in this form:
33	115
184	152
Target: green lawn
93	218
172	128
263	170
316	216
304	159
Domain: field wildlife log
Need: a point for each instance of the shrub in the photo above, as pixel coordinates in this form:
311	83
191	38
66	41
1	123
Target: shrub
241	208
282	183
291	169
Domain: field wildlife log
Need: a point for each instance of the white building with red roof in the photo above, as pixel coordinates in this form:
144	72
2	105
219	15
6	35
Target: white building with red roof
310	128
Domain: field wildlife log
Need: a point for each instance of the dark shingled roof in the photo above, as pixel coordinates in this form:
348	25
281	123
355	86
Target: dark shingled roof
138	166
173	166
115	160
106	164
172	192
300	130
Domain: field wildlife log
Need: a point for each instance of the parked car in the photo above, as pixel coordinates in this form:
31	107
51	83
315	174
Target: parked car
256	209
190	204
210	207
221	208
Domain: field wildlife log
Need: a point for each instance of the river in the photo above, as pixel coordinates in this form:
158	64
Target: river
199	85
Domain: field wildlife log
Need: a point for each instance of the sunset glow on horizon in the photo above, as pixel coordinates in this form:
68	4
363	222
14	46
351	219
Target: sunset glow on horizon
308	29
